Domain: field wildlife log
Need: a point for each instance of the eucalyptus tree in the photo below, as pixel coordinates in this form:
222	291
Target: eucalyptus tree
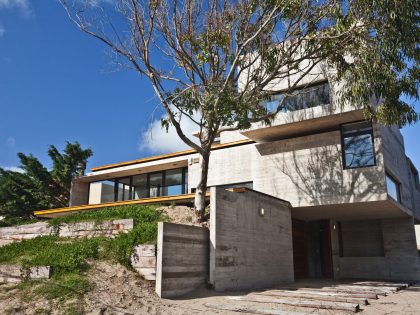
214	62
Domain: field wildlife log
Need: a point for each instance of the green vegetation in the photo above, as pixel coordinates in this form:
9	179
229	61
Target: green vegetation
35	187
69	257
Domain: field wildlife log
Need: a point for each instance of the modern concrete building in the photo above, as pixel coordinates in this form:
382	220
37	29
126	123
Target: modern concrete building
354	194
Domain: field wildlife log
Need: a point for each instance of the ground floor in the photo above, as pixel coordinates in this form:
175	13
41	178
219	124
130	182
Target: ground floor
116	290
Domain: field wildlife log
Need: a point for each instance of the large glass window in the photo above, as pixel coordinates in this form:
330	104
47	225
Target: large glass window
358	145
156	184
164	183
174	182
301	99
140	189
393	188
123	189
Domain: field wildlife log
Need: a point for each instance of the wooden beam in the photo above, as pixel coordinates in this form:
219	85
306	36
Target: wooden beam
146	201
250	309
300	302
317	297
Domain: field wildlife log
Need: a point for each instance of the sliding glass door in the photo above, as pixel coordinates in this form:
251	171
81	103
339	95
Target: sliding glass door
157	184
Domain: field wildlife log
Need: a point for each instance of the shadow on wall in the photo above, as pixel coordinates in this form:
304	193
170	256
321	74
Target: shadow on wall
314	165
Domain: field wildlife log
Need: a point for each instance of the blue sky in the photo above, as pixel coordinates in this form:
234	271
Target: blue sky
57	85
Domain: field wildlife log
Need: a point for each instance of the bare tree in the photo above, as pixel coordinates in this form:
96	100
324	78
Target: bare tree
214	62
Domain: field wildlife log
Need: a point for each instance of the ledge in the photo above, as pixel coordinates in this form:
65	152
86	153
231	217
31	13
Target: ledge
177	199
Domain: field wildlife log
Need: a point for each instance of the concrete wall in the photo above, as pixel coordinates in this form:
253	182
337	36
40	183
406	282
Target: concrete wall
396	163
74	230
400	260
308	171
79	193
182	259
249	250
417	229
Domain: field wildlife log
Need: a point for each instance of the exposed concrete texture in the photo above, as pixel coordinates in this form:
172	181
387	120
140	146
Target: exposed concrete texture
23	232
417	228
16	273
308	171
251	240
79	193
400	260
182	259
143	260
234	165
74	230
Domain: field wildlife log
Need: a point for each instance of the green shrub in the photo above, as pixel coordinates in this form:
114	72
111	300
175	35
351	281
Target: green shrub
136	212
68	257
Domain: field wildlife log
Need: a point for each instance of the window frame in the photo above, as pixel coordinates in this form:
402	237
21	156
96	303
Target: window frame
355	134
116	182
397	185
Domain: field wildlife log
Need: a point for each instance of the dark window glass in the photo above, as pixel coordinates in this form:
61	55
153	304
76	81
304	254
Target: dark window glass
173	182
357	145
301	99
393	188
415	176
155	184
140	187
123	189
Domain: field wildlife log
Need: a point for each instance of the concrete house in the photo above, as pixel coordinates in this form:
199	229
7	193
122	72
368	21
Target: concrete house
352	196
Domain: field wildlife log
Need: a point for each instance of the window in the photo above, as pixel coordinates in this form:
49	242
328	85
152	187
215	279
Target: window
163	183
393	188
301	99
357	145
415	176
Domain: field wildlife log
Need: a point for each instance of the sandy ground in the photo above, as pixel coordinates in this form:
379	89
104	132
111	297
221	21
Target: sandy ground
120	291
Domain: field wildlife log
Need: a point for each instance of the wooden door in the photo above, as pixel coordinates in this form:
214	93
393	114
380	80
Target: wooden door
327	249
300	258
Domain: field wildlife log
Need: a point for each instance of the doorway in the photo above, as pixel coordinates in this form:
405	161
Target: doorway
312	255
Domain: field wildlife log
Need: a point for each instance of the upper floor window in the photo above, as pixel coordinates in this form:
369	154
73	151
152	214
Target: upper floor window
415	176
300	99
393	188
357	145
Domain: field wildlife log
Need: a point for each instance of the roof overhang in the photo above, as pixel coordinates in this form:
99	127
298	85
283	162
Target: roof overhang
383	209
302	122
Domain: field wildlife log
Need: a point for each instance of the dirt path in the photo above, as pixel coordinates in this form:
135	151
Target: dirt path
120	291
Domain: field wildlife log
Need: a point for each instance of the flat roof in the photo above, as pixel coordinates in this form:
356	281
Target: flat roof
169	155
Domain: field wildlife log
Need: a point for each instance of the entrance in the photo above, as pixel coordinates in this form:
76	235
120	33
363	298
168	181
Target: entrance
312	254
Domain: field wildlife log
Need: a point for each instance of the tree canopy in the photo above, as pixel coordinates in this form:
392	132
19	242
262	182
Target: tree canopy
37	187
214	62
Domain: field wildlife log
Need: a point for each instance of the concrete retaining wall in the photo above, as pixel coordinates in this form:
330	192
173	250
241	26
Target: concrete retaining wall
400	260
74	230
249	249
16	273
182	259
143	260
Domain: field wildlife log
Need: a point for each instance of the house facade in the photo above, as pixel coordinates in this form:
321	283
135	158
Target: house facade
354	194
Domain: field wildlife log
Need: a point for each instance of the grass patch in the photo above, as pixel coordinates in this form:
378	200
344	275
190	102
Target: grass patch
68	257
136	212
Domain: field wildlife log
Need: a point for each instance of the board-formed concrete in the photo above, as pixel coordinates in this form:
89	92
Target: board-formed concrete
251	240
182	259
400	259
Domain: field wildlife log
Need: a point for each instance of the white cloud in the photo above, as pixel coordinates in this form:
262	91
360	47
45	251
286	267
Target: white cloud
22	5
2	30
156	140
10	142
13	169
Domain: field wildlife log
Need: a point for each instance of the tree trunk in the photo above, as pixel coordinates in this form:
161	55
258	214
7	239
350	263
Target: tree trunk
200	193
